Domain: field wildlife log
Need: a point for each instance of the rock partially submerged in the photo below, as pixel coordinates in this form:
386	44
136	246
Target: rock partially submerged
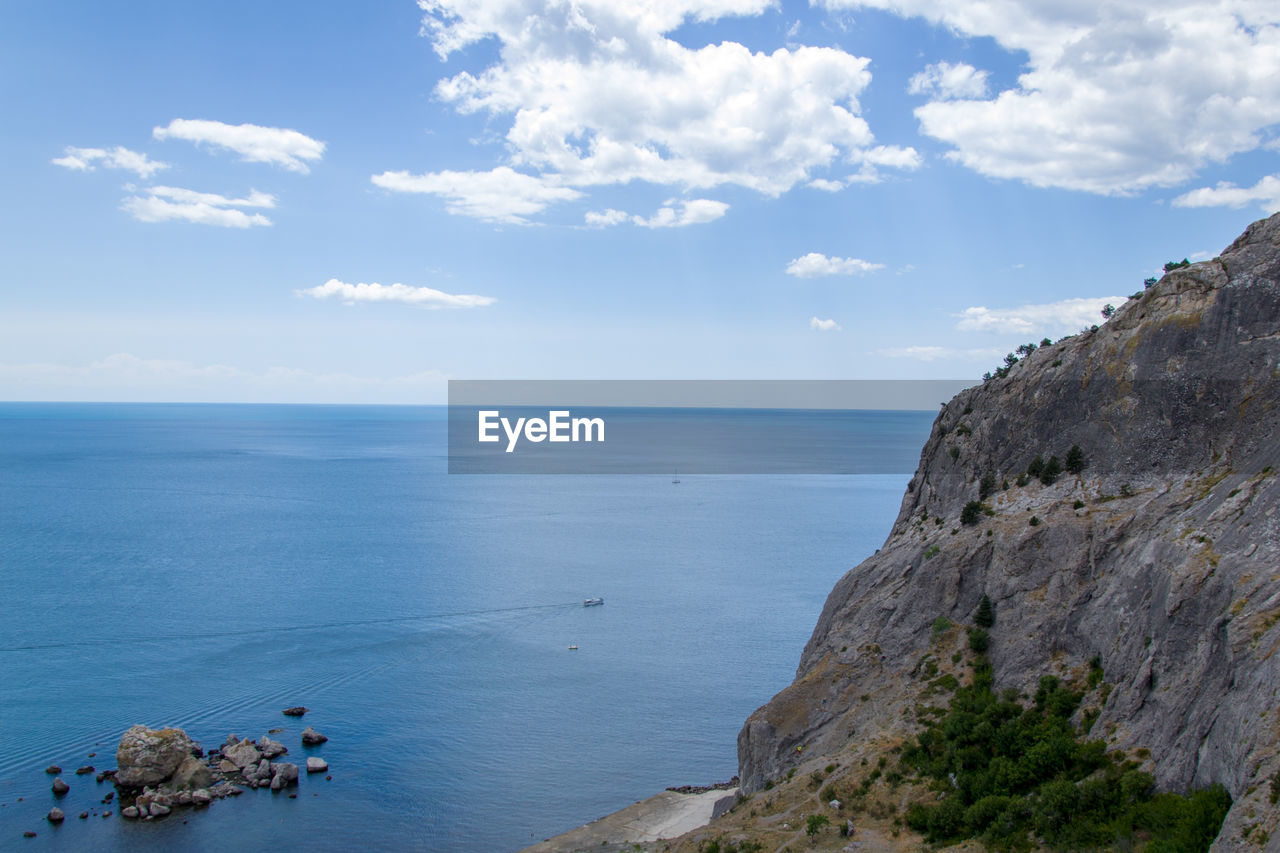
311	737
161	770
149	756
271	748
296	711
242	753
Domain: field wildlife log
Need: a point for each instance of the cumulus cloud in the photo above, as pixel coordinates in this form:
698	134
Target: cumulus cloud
422	297
1053	318
125	376
162	204
934	353
1116	98
672	214
499	195
815	264
1265	193
254	143
824	325
596	93
697	211
85	159
946	81
605	218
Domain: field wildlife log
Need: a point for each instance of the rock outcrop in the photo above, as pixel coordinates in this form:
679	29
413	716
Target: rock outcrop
149	756
1159	558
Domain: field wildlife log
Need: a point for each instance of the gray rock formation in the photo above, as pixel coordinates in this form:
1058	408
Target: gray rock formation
271	748
191	773
316	765
242	753
147	756
1159	557
283	775
311	737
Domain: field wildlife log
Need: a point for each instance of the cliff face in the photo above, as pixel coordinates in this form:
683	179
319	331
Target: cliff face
1161	558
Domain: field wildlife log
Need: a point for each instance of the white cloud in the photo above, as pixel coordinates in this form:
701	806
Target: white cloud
824	325
422	297
1265	193
254	143
933	353
605	218
827	186
947	81
83	160
1054	318
124	376
596	93
499	195
1116	98
162	204
815	264
696	211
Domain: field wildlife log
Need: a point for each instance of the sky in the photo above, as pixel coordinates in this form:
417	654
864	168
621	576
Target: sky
355	202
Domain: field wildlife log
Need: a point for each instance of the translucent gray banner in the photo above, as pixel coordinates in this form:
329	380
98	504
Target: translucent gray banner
691	426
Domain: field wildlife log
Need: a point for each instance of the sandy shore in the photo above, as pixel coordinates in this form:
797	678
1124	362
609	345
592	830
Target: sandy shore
665	815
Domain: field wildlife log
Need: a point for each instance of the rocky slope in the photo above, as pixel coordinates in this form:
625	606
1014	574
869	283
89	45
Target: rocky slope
1161	558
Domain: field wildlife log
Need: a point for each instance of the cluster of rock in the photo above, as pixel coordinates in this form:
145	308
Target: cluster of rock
159	770
158	802
702	789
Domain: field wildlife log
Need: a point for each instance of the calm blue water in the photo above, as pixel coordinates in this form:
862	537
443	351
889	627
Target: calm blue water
205	566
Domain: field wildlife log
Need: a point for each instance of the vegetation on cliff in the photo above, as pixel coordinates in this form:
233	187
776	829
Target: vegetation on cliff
1012	775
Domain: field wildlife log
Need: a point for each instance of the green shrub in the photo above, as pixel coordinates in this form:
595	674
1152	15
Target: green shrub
986	486
1075	459
1036	467
1034	521
1020	777
1079	504
979	640
985	616
814	824
972	513
955	452
1052	468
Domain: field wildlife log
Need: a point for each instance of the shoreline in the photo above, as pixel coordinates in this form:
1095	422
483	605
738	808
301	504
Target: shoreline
661	817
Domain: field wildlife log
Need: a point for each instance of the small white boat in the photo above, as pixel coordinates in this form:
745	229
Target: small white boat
573	648
592	602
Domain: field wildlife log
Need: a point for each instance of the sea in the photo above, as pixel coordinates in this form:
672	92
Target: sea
206	566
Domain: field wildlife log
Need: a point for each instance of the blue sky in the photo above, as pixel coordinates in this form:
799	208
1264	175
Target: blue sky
218	201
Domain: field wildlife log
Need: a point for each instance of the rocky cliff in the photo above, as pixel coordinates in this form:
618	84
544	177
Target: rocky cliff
1160	558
